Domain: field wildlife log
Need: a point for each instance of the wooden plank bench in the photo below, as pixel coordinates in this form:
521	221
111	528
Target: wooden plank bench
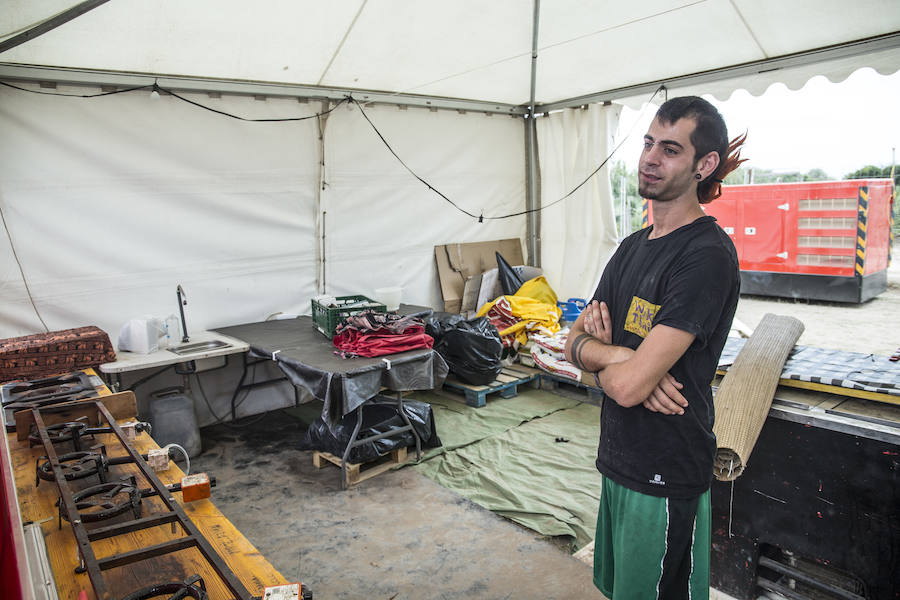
359	472
506	384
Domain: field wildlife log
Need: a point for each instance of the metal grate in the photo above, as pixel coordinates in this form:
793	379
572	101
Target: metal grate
175	514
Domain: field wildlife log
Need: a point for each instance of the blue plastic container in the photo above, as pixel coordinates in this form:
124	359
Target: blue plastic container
571	309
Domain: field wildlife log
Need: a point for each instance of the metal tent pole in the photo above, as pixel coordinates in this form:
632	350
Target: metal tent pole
533	230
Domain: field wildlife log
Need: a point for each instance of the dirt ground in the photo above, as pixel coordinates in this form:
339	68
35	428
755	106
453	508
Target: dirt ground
872	327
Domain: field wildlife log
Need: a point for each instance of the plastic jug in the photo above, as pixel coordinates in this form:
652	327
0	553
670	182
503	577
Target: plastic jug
146	334
173	420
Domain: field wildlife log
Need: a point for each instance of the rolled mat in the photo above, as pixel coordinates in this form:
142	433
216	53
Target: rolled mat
746	391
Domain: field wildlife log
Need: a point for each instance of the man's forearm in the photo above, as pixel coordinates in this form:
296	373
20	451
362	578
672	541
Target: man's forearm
590	354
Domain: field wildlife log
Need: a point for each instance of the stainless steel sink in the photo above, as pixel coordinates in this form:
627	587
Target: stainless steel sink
196	347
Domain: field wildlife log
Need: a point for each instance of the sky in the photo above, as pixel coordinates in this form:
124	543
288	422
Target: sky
836	127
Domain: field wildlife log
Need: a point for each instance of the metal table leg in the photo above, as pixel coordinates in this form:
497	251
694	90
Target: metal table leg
354	442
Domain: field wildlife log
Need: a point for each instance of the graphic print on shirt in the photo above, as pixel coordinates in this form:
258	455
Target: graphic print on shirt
640	315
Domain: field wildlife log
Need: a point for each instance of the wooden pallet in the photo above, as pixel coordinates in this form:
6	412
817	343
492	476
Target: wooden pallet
506	384
359	472
549	381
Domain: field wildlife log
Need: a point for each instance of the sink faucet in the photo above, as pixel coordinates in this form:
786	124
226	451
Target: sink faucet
182	302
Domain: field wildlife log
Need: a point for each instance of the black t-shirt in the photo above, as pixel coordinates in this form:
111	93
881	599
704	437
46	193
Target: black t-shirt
688	279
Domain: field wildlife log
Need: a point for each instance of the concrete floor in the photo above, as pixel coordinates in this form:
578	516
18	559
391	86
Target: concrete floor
397	535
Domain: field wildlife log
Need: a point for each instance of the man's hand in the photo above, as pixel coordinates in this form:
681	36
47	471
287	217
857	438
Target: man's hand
597	322
666	397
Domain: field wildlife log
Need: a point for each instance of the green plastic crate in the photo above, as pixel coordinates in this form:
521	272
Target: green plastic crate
326	318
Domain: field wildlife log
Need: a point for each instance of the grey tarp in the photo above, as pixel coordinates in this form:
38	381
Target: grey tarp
307	358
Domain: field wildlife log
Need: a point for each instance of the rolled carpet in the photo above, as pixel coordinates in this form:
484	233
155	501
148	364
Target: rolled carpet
746	391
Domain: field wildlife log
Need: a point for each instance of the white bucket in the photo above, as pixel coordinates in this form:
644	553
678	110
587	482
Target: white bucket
389	296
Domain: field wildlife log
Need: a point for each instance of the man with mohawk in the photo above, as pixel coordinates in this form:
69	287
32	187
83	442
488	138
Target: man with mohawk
651	338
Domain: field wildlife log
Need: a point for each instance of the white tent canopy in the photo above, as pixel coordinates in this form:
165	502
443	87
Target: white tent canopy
109	202
466	49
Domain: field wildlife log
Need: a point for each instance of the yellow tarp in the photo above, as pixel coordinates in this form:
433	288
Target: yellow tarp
534	307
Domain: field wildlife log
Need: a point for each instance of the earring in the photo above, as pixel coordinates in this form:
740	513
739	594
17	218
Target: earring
698	176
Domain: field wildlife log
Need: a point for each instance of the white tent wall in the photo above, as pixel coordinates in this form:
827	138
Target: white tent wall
111	202
382	223
578	234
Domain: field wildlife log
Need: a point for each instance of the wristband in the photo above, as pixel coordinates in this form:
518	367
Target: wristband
597	379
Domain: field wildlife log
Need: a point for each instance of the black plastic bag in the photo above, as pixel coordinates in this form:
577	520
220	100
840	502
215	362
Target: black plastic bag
380	415
472	350
510	282
440	322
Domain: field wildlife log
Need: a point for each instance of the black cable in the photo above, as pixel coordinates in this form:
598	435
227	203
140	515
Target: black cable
122	91
22	271
400	160
220	420
515	214
144	380
157	88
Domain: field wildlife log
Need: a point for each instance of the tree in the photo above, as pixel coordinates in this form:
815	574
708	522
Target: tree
633	204
871	171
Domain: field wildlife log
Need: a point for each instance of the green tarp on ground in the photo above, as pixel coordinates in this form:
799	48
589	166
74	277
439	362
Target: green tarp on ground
518	469
459	425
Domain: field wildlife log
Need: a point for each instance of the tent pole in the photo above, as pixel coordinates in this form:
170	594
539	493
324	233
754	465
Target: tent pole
533	229
320	213
51	23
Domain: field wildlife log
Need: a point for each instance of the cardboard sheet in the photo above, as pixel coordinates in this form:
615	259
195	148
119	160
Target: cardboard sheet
458	263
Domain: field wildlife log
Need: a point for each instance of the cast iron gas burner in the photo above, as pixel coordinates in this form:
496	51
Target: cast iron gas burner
192	587
119	498
104	501
74	431
20	395
60	433
74	465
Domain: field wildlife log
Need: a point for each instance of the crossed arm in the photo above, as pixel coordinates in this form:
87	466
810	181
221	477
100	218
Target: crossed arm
630	377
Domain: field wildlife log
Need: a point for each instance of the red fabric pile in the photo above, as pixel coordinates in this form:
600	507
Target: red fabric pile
375	334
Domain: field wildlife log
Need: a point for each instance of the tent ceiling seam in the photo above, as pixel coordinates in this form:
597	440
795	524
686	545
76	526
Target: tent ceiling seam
343	39
625	24
548	46
749	29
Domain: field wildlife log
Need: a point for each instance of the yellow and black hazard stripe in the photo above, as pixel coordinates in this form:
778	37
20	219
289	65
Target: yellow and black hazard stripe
862	217
891	230
645	212
891	219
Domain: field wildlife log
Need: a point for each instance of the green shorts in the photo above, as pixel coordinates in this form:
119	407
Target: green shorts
651	547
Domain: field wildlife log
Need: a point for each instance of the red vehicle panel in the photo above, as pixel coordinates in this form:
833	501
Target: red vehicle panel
816	228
